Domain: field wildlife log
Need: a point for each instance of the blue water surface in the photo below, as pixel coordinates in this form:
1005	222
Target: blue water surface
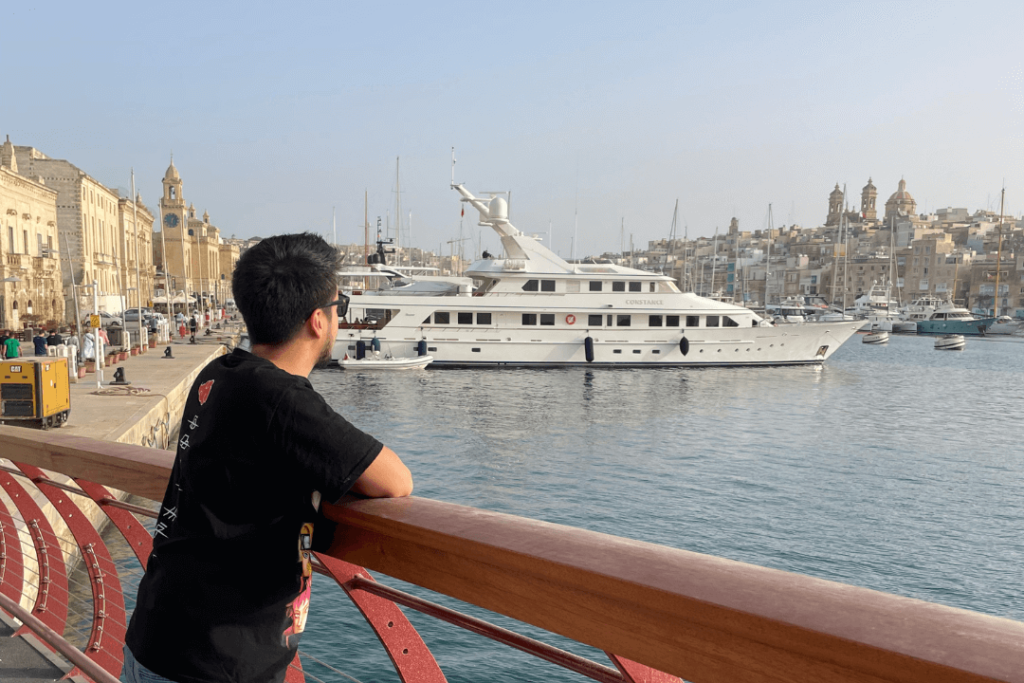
894	467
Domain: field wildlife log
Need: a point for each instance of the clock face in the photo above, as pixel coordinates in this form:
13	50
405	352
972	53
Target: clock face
171	220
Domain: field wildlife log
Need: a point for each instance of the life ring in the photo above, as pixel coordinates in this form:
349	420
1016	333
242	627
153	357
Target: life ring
570	319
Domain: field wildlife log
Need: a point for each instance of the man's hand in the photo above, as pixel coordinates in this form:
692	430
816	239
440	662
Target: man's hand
386	477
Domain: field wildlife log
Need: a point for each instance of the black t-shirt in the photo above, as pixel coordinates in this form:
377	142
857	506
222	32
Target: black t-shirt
227	587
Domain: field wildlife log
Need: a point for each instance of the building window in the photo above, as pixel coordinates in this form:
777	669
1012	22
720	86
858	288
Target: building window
595	285
529	318
712	321
594	320
671	321
654	321
441	318
636	286
530	286
547	285
618	286
465	318
483	318
547	318
622	320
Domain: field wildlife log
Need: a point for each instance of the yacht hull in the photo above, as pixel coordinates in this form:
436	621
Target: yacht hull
807	344
970	327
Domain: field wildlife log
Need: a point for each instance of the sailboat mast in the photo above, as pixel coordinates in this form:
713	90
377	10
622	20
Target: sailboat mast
398	211
768	260
999	255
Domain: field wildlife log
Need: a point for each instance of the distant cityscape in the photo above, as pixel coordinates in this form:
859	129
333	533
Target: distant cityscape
65	234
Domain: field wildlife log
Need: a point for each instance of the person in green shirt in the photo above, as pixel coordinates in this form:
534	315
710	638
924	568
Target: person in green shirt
11	346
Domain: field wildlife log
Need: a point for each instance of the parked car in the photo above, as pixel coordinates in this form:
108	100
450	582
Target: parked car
106	320
132	315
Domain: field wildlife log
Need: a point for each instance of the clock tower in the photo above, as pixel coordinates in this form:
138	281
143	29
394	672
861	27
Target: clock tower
174	223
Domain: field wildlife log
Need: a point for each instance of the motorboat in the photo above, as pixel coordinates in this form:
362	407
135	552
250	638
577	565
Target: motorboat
1004	324
918	309
387	362
876	336
951	342
952	319
532	308
875	308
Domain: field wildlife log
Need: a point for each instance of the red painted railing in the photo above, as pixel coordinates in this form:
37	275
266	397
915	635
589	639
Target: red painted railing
659	609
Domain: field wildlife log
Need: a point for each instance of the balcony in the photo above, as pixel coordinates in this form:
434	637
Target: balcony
14	260
651	609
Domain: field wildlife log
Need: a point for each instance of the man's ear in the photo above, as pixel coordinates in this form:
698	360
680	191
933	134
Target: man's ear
319	323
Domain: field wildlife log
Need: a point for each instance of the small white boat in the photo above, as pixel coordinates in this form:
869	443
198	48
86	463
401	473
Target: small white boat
951	342
876	336
386	363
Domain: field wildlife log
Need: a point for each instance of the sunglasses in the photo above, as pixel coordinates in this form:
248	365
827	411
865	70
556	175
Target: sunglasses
341	303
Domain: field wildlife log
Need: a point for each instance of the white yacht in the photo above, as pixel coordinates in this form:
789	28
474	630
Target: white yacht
532	308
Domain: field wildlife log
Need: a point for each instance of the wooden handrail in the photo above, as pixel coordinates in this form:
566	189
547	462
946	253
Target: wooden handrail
701	617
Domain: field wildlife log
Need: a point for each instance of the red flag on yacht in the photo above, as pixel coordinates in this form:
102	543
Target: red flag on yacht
463	211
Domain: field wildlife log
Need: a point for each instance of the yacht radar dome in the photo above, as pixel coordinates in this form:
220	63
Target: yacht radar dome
498	210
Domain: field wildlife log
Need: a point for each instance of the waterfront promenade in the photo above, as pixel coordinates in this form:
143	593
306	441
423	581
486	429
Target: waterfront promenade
147	412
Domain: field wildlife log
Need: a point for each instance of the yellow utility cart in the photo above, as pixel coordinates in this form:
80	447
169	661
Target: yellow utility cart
35	392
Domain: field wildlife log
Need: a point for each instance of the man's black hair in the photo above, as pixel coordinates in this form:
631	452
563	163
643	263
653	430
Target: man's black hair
279	282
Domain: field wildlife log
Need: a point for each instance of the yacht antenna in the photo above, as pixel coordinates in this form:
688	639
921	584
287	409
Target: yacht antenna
453	167
714	260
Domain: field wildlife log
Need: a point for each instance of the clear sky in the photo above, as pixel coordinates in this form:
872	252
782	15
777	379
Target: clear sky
278	112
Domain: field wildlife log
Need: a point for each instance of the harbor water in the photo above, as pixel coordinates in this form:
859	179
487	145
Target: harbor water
895	467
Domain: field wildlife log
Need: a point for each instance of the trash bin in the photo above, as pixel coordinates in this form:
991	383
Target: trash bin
117	336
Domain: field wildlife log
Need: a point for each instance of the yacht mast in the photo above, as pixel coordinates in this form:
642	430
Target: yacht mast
398	211
768	260
714	261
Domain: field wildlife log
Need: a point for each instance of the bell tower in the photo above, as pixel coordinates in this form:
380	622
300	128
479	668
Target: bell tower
835	206
868	197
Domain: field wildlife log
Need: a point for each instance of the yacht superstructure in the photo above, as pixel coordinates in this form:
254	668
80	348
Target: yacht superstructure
532	308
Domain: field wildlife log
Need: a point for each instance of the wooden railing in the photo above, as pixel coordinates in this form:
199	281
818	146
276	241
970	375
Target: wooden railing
700	617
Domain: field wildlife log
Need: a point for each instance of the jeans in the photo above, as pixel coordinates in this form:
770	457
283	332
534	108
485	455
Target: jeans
133	672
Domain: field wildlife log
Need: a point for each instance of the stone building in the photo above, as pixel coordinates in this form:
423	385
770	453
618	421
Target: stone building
31	293
136	248
88	227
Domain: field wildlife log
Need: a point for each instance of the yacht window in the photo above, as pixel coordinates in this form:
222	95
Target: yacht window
665	287
595	285
712	321
622	320
547	285
636	286
729	322
441	318
529	318
594	320
483	318
671	321
653	285
654	321
547	318
465	318
618	286
530	286
572	286
693	321
427	321
609	320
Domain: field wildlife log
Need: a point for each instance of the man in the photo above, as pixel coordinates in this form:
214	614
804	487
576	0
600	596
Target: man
54	339
39	342
226	590
192	325
11	346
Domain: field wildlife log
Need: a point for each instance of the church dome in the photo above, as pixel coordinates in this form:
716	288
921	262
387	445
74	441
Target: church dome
901	195
172	173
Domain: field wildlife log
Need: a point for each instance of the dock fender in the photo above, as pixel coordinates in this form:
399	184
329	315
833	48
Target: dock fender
360	349
684	345
421	347
588	345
